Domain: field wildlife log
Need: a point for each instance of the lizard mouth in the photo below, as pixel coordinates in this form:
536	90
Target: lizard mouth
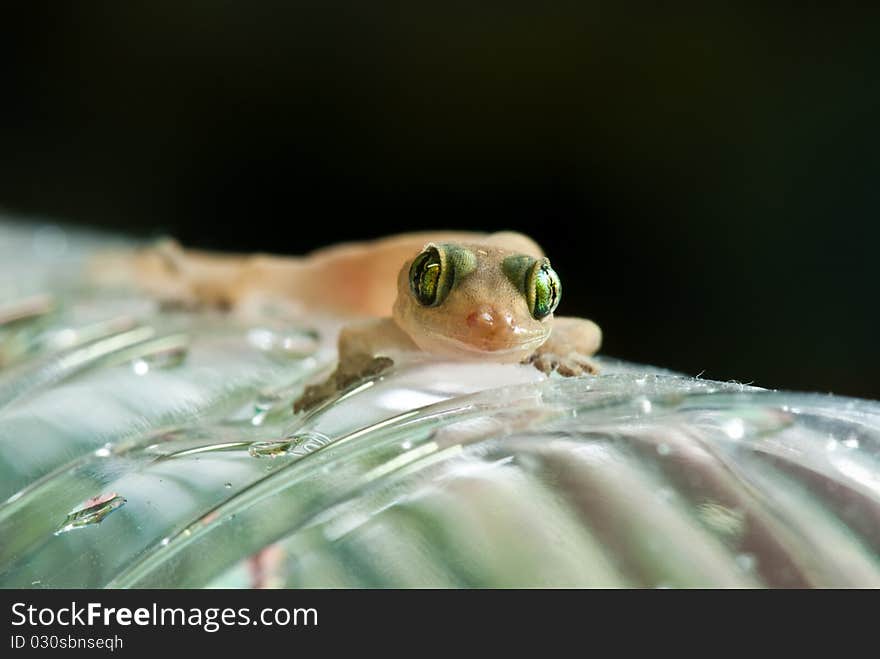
509	348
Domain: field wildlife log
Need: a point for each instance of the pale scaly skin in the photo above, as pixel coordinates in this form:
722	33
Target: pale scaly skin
484	317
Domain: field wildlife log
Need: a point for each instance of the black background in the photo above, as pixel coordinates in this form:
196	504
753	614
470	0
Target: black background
705	182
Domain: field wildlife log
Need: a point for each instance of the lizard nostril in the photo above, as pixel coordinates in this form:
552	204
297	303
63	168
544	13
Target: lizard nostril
482	318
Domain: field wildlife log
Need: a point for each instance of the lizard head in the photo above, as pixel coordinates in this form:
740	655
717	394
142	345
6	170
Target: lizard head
476	301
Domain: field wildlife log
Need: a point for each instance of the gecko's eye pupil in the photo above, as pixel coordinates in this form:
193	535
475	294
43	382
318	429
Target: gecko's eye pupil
426	277
543	289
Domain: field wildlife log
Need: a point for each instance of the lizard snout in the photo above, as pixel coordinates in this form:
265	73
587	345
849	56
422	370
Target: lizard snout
487	321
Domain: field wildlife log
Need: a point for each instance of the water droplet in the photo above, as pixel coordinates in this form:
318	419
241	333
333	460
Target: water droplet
165	541
645	405
262	406
63	338
406	446
309	442
271	449
663	449
140	367
259	416
168	358
261	338
851	442
289	343
735	429
746	562
301	344
227	485
299	444
831	445
93	511
163	358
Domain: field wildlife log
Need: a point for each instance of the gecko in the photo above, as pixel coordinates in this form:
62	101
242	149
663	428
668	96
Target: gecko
457	296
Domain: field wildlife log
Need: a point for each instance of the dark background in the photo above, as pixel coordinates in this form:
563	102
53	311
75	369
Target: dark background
705	183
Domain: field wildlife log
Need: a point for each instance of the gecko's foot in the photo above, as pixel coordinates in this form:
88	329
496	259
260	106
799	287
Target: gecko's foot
357	369
314	395
570	365
361	368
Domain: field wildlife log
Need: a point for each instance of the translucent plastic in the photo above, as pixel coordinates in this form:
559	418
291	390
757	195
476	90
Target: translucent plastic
148	449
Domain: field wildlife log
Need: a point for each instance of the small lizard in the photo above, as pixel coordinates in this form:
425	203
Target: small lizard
452	295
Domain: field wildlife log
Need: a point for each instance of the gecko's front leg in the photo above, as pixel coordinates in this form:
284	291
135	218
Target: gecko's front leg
366	349
567	351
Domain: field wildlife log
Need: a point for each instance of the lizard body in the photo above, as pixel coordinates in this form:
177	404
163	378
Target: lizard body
450	295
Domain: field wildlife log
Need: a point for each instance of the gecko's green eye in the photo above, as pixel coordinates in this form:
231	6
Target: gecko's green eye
428	277
436	270
535	279
543	289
